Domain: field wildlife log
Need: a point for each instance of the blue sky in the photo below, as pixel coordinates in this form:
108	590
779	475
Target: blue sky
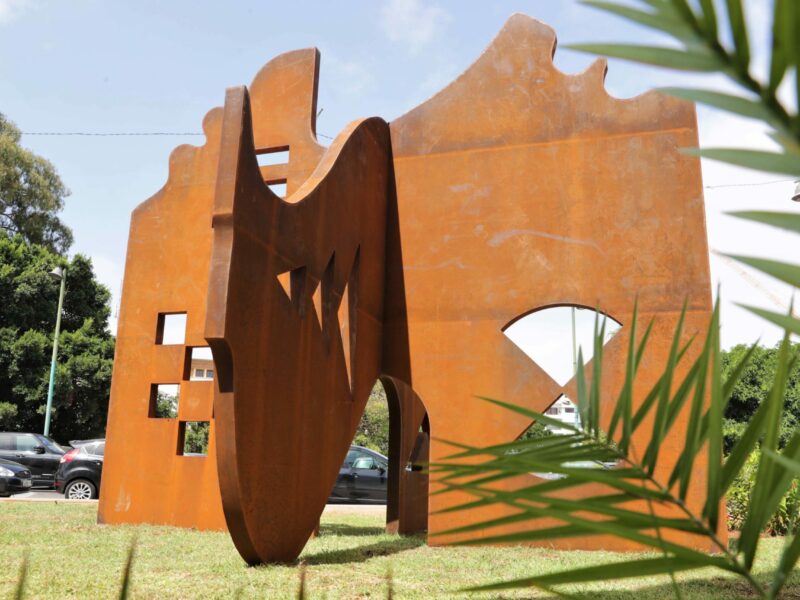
147	66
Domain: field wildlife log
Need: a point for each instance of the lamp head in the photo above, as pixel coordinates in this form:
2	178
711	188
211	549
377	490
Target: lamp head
57	274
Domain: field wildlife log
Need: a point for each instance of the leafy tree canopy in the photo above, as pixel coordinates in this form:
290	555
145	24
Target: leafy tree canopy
31	194
752	389
373	430
28	305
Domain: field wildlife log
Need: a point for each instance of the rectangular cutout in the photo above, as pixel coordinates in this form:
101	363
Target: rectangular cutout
164	398
193	438
279	189
171	328
198	364
273	156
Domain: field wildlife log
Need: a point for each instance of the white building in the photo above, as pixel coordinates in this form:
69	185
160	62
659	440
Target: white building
563	410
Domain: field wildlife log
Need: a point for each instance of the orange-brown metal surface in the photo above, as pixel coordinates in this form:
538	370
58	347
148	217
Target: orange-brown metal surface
145	480
520	187
296	361
400	253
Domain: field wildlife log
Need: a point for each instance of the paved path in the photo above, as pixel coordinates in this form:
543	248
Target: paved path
51	495
330	509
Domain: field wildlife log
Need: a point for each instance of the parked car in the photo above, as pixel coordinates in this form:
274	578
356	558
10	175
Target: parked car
14	478
76	443
362	478
78	475
40	454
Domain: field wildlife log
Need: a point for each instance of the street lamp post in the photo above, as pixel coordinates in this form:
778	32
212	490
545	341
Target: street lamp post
58	274
574	346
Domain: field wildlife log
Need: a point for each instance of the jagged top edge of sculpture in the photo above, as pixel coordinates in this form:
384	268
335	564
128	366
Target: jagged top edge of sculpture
300	54
180	158
599	66
326	164
212	121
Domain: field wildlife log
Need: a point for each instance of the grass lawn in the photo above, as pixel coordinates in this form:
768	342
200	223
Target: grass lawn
70	556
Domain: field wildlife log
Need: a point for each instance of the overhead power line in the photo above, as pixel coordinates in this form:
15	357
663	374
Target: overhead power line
110	134
755	183
126	133
327	137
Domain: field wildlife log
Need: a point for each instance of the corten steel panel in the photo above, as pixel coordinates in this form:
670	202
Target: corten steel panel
169	249
515	188
296	359
520	187
169	253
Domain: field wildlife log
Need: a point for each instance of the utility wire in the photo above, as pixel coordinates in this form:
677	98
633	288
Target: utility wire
729	185
327	137
109	134
125	133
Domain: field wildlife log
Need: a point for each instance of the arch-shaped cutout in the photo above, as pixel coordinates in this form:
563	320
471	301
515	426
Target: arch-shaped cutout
409	452
549	338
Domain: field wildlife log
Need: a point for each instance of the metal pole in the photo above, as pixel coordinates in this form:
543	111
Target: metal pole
51	387
574	346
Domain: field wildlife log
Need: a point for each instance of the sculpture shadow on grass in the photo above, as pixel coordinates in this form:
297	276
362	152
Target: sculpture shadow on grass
350	530
393	545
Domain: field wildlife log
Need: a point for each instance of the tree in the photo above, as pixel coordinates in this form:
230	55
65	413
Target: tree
31	194
28	304
752	390
373	430
196	437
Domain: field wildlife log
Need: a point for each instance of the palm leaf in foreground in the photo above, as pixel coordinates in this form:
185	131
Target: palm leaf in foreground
635	505
696	26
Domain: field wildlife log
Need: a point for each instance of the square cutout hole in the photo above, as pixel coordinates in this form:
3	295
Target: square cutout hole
164	399
199	364
193	438
171	328
273	156
278	188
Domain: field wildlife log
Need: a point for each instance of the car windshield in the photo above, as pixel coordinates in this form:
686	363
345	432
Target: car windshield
53	445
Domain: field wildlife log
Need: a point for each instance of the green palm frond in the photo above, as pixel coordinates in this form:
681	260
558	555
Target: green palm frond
704	394
636	504
697	27
611	513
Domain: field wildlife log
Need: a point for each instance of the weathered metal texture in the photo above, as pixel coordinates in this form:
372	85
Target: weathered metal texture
409	443
295	322
169	249
167	270
518	188
403	253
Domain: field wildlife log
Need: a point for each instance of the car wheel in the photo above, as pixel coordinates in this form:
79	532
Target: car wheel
80	489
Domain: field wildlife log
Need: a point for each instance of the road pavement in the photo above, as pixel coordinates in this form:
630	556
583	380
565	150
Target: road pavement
330	509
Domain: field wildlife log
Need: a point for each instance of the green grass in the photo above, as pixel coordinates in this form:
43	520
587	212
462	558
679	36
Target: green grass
70	556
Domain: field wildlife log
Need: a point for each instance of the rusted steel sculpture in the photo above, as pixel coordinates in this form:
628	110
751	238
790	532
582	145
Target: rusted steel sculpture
400	253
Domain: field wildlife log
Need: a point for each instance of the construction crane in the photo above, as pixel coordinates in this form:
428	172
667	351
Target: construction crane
744	274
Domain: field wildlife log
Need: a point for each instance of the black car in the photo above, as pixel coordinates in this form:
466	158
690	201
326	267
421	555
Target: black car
14	478
39	453
362	478
78	475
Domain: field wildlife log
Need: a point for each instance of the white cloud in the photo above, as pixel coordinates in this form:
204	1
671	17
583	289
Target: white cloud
413	22
351	76
9	9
